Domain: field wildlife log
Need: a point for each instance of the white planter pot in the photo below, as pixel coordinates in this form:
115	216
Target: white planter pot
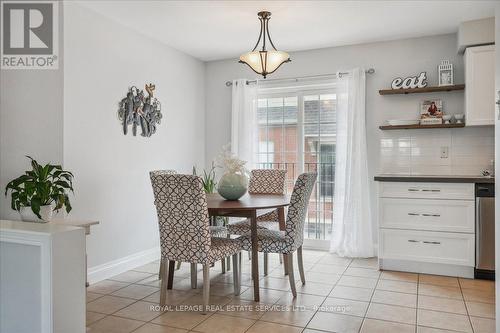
27	214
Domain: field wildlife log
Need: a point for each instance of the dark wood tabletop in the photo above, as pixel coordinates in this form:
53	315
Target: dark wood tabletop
247	202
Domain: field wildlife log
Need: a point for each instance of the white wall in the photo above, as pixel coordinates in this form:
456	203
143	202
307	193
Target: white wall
31	121
111	169
390	60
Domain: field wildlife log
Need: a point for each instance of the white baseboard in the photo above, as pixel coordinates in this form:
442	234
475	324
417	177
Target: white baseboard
118	266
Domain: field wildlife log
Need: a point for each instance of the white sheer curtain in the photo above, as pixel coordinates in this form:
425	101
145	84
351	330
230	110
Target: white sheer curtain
244	121
352	224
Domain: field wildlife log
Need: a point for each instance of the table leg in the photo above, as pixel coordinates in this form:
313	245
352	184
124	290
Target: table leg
255	256
282	226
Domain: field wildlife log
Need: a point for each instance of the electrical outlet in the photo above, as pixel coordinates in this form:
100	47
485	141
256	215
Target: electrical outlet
444	152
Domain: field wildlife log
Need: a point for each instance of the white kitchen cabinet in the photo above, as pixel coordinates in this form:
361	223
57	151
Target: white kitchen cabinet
480	85
427	227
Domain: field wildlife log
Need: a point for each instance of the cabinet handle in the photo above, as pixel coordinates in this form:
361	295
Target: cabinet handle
436	243
433	215
413	189
431	190
413	214
413	241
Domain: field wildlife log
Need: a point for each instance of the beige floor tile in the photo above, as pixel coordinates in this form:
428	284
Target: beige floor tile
197	300
143	311
332	322
289	316
245	309
392	313
441	304
109	304
111	324
152	281
357	294
92	296
335	260
478	296
363	272
380	326
344	306
394	298
267	296
314	288
423	329
356	281
130	276
302	300
106	287
266	327
399	276
484	285
439	291
483	325
222	289
181	319
152	268
135	291
224	324
275	283
325	278
92	317
173	296
443	320
446	281
327	269
397	286
484	310
153	328
365	263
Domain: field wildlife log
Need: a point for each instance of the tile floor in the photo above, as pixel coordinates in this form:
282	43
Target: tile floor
341	295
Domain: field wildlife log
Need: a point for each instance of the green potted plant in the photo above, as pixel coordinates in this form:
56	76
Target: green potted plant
40	191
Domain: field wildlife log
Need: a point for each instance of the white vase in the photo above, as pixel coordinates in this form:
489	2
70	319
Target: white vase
27	214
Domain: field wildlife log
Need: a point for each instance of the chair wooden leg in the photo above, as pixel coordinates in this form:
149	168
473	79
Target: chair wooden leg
249	255
206	287
228	263
161	270
266	263
163	285
301	265
285	264
194	276
236	274
171	268
178	266
291	278
281	258
223	265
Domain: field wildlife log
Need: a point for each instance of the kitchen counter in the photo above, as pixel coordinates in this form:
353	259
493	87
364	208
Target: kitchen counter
434	178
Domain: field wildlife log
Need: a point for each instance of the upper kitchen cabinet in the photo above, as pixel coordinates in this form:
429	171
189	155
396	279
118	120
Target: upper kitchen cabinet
480	85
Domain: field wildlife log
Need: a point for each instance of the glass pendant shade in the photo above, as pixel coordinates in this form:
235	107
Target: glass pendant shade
264	62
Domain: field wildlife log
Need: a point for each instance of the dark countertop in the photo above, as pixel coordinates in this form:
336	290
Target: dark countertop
434	179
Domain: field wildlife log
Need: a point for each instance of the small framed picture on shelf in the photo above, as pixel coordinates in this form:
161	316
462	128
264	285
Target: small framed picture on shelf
445	73
431	112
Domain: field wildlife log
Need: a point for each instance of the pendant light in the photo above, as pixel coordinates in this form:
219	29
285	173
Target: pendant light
265	61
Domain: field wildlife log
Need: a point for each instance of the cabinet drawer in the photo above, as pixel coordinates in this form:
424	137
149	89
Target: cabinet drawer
427	246
463	191
425	214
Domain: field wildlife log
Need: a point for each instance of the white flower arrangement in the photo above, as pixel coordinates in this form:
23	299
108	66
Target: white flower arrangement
230	163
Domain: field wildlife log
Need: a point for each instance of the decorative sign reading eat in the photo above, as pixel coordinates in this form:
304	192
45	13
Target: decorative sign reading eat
410	82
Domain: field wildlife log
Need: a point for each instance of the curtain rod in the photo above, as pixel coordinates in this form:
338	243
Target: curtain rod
368	71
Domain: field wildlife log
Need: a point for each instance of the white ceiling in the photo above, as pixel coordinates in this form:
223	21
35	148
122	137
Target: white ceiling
211	30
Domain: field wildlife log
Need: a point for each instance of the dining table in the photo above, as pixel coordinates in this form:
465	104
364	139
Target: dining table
247	207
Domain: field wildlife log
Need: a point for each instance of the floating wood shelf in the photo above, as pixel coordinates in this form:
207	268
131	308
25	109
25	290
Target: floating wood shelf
421	90
390	127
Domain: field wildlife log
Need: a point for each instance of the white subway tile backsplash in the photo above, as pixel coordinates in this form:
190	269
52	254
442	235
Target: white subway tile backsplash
470	151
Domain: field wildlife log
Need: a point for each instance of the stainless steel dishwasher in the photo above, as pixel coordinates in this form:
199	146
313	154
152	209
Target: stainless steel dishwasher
485	231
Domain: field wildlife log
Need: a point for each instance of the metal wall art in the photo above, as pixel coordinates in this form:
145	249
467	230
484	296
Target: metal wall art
139	110
411	82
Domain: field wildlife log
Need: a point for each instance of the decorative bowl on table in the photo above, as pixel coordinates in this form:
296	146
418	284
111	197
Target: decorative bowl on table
233	186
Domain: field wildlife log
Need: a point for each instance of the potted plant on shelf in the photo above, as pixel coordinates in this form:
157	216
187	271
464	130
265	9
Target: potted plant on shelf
40	191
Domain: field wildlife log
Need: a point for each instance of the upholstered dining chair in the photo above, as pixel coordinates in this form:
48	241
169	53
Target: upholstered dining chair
262	181
288	241
181	206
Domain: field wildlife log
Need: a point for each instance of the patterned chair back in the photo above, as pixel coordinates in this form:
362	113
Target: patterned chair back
294	232
181	205
267	181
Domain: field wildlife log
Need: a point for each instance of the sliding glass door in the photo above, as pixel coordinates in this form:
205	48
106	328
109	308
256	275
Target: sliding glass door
297	133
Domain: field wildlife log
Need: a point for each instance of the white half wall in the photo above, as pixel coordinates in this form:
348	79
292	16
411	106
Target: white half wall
111	170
